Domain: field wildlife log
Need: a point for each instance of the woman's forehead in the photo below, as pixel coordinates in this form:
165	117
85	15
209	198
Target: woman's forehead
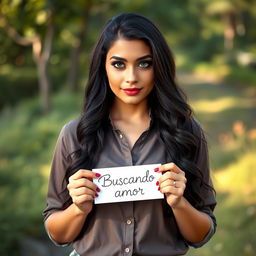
128	49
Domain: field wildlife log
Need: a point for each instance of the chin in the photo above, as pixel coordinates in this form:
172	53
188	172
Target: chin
132	101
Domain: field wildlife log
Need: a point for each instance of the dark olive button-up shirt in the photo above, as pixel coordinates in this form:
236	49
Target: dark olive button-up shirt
140	228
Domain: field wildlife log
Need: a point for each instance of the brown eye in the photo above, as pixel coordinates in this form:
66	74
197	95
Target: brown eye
118	64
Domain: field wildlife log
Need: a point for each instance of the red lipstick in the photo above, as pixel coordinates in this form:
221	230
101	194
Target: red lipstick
132	91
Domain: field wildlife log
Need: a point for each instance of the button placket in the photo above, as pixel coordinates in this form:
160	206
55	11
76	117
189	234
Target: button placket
127	249
124	147
128	222
129	235
128	206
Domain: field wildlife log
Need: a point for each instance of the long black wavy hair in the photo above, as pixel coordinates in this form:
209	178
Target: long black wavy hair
171	115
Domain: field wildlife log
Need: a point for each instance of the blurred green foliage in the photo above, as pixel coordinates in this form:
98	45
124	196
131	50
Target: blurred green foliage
199	30
227	115
26	147
214	40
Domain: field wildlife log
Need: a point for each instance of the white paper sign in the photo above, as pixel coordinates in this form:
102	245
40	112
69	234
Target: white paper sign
129	183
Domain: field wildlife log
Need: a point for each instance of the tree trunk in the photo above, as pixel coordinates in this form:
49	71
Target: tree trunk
44	85
40	56
42	65
74	71
229	30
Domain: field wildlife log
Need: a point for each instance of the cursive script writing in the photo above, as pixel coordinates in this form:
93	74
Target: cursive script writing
106	181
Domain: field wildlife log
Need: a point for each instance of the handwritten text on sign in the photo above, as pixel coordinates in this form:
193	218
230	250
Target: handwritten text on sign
129	183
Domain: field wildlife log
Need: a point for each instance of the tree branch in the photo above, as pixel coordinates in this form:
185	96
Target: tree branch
34	41
11	32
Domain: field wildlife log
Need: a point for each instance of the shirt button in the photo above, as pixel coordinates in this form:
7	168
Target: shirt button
128	222
127	250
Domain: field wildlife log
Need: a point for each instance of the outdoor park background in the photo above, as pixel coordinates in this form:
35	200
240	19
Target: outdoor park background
44	53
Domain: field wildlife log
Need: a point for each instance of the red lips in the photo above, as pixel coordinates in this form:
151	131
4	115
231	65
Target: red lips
132	91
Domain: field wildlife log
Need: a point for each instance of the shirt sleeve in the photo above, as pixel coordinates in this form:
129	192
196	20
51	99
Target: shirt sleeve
207	237
57	192
58	197
202	161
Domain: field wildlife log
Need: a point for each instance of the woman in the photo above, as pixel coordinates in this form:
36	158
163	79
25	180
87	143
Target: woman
134	114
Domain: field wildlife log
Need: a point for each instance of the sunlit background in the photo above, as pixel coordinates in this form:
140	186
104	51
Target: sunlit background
44	54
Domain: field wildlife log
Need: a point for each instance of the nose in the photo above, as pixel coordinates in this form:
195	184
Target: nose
131	76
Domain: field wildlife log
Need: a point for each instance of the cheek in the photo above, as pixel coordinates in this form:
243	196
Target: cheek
149	78
114	78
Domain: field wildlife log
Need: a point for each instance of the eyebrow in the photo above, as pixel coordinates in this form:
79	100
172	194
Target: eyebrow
123	59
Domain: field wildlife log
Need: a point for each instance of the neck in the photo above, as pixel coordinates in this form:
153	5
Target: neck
129	112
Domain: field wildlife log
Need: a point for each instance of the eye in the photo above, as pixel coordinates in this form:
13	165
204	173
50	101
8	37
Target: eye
145	64
118	64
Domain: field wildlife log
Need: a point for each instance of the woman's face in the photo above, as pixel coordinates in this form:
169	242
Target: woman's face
129	70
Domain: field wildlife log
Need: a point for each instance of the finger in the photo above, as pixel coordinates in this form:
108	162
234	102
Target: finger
167	182
169	189
84	174
174	183
83	182
82	199
170	167
169	175
82	191
172	190
177	184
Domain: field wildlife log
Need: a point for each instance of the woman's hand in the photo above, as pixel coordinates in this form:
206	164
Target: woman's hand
82	190
172	183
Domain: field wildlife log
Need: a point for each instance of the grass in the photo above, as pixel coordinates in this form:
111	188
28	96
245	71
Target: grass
226	113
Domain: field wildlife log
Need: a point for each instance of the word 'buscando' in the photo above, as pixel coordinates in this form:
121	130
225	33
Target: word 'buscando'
106	181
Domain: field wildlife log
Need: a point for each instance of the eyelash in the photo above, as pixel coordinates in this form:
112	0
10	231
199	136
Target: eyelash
115	63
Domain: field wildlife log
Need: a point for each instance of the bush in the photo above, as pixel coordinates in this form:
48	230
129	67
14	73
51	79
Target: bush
26	151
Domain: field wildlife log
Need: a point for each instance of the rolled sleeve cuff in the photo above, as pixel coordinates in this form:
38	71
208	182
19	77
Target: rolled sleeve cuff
56	243
207	237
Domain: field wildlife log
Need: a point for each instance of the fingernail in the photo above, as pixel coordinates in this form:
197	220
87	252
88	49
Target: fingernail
96	195
158	188
97	175
156	169
97	189
157	183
